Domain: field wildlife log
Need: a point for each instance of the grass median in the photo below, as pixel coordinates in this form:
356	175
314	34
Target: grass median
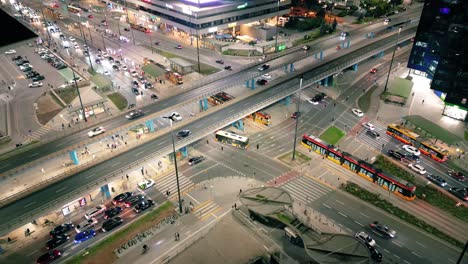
385	205
332	135
104	250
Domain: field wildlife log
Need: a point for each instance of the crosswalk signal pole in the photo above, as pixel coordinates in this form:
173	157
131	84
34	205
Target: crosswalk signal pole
298	115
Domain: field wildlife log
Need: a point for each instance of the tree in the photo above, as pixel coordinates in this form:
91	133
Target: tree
334	24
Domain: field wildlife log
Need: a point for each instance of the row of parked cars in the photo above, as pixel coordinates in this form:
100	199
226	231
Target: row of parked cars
29	72
51	58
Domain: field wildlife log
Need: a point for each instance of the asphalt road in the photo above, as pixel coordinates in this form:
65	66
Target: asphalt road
195	94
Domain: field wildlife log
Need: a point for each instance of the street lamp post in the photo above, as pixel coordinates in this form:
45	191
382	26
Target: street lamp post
276	27
79	95
391	61
171	119
128	21
298	115
198	36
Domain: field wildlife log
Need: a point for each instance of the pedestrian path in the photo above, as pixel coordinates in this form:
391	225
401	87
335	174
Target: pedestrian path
167	184
206	209
305	190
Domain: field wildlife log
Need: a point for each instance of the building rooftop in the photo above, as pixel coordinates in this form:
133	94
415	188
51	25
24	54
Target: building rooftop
21	33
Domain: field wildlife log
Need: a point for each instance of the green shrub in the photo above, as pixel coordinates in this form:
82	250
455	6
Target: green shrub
343	13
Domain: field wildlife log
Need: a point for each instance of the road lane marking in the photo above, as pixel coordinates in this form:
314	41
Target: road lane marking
29	204
4	166
327	206
61	189
162	143
87	177
396	243
35	154
395	255
113	165
416	254
358	223
192	198
453	261
342	214
364	215
139	153
32	253
339	202
386	250
420	244
406	261
60	144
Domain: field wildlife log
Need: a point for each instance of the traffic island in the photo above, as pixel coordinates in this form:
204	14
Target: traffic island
299	158
274	207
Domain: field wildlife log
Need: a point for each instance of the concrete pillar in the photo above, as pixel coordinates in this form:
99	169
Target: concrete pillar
348	43
74	157
287	100
184	151
325	82
381	54
252	83
240	124
204	104
321	55
150	125
105	191
291	67
285	68
355	67
247	83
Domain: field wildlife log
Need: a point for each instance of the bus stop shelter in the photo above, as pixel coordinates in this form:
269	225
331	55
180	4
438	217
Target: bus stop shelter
181	66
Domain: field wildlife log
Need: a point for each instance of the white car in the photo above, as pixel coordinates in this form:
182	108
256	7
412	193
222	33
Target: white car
99	56
417	168
71	39
357	112
25	66
134	73
96	131
105	55
266	76
76	46
368	126
314	102
12	51
35	84
124	67
95	211
364	237
145	184
106	72
176	116
412	150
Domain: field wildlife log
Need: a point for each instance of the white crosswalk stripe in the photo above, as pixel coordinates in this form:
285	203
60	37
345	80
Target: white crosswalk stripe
305	190
372	142
168	183
38	133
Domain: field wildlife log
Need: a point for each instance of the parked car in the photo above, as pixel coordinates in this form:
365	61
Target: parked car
12	51
35	84
38	78
134	200
16	58
220	61
145	184
456	175
111	224
195	160
143	205
357	112
148	85
460	193
134	114
56	241
364	237
121	197
130	106
111	212
368	125
264	67
95	211
383	230
228	67
417	168
183	133
306	47
61	229
48	257
412	150
96	131
295	115
84	236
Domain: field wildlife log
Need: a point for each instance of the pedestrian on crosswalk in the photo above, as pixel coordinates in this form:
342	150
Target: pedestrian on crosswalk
127	177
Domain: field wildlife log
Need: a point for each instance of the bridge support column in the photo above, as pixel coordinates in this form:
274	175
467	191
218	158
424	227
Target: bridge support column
150	125
285	68
287	100
317	56
381	54
105	191
184	151
325	82
330	80
74	157
204	104
239	124
355	67
247	84
348	43
252	83
291	67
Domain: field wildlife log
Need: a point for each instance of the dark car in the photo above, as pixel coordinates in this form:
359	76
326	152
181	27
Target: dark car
143	205
264	67
134	114
183	133
134	200
56	241
373	134
62	66
262	82
460	193
375	254
110	58
135	91
411	158
111	212
115	67
195	160
135	84
295	115
154	97
220	61
61	229
16	58
49	257
436	179
148	85
130	106
111	224
38	78
21	62
383	230
98	61
121	197
228	67
28	69
456	175
396	154
31	74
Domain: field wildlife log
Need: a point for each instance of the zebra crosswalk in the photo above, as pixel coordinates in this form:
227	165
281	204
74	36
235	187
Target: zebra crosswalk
167	182
305	190
36	135
373	142
205	210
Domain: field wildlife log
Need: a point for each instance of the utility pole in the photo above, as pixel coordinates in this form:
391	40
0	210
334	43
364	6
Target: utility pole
391	61
298	115
79	95
171	119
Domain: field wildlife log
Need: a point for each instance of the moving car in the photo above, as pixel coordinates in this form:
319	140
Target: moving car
153	96
178	47
134	114
111	224
317	99
183	133
85	235
72	39
143	185
109	213
262	82
306	47
357	112
412	150
436	179
228	67
387	20
98	61
295	115
134	200
383	230
195	160
374	70
49	257
93	212
61	229
148	85
176	116
86	225
121	197
375	254
373	134
35	84
417	168
96	131
12	51
456	175
56	241
343	35
364	237
266	76
130	106
107	73
220	61
368	125
264	67
143	205
124	67
460	193
133	73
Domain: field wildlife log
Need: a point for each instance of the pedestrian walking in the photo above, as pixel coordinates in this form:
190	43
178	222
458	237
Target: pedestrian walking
127	176
240	191
9	239
42	170
235	206
142	171
423	101
146	172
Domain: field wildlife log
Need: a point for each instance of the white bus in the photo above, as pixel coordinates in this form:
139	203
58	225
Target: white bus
232	139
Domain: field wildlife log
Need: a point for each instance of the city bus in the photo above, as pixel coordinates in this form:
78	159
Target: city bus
232	139
399	187
73	9
262	118
410	138
140	28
